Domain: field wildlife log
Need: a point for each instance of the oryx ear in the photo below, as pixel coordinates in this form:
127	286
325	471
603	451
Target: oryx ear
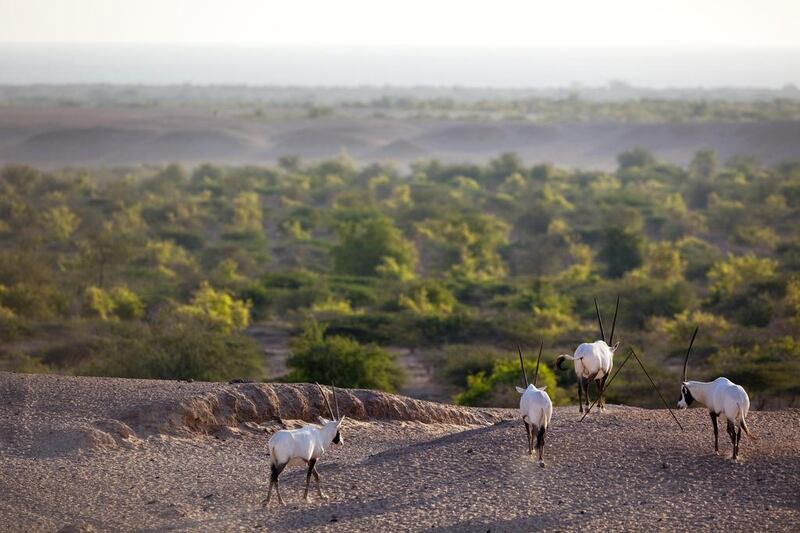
543	388
339	423
614	348
322	420
520	390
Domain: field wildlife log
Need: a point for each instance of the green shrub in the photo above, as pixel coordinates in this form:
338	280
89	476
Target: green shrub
218	308
496	388
174	348
458	361
127	304
341	360
623	251
767	369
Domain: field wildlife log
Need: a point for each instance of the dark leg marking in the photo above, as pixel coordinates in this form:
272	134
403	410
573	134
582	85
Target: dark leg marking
527	434
586	393
716	430
540	444
275	471
732	433
598	384
311	464
738	440
580	397
602	391
319	488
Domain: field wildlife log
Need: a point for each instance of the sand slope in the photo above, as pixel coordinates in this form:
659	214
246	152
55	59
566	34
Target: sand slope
72	453
112	136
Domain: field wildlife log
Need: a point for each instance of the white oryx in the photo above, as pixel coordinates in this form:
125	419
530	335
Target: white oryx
536	409
723	398
303	445
593	361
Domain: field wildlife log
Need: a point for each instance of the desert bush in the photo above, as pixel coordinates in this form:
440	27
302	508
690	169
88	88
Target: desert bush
341	360
218	308
496	388
175	347
766	369
369	245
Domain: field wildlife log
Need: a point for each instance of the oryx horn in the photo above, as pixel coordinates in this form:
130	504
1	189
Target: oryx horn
522	364
335	401
599	320
538	360
614	323
686	359
325	397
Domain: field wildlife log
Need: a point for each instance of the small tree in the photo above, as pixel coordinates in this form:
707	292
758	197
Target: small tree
342	361
704	164
61	222
730	275
638	157
623	251
370	244
218	308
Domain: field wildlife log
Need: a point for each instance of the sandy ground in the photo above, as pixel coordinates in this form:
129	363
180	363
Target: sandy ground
55	136
627	468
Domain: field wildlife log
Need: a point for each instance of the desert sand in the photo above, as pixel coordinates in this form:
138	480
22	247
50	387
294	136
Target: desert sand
111	136
120	455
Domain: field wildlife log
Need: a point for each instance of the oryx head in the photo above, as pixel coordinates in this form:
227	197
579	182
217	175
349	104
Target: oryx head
686	397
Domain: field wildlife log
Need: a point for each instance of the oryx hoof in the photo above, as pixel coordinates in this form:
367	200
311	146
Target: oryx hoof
541	463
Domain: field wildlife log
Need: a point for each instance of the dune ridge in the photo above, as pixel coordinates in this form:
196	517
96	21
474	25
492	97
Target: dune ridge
53	137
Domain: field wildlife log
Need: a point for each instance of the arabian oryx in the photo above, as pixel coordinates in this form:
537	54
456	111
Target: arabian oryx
722	397
304	445
593	361
536	409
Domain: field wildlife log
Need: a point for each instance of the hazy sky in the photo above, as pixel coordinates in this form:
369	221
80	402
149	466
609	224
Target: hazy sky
429	23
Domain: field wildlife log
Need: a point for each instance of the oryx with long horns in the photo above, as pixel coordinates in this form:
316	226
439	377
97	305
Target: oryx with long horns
535	407
723	398
593	361
304	445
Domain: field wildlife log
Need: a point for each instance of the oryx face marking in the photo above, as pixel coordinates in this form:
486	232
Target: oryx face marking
686	397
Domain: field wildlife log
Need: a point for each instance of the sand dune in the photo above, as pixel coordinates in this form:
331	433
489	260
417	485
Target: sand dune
187	145
399	150
52	137
317	143
75	145
113	454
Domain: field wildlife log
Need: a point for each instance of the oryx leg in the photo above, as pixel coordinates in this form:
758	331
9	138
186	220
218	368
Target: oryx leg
738	439
586	393
528	436
732	435
319	488
275	471
602	400
540	444
599	386
580	395
311	464
716	430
